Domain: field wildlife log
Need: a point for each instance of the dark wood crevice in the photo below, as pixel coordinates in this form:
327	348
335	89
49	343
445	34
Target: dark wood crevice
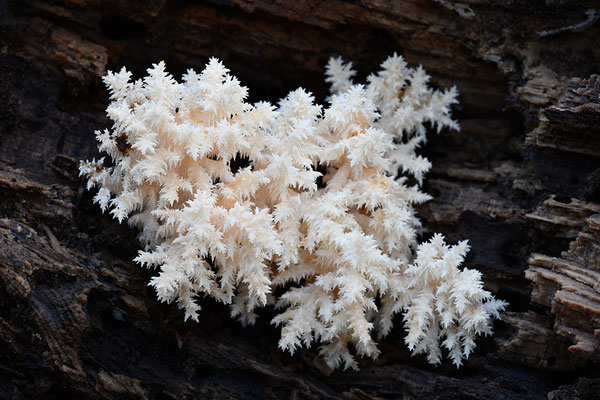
521	181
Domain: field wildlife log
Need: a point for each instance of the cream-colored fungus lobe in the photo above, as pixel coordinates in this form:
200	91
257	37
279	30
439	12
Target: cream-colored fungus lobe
344	254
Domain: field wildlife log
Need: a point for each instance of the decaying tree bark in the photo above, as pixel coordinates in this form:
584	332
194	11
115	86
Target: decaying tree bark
521	181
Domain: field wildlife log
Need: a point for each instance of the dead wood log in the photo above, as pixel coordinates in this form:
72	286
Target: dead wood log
521	181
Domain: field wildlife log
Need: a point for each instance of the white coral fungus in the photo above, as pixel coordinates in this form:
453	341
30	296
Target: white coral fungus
342	253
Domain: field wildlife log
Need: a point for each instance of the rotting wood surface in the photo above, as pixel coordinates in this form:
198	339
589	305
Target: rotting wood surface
521	181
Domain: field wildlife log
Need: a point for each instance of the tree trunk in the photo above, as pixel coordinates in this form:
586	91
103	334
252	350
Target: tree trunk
521	181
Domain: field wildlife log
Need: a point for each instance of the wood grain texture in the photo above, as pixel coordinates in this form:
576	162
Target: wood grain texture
521	181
